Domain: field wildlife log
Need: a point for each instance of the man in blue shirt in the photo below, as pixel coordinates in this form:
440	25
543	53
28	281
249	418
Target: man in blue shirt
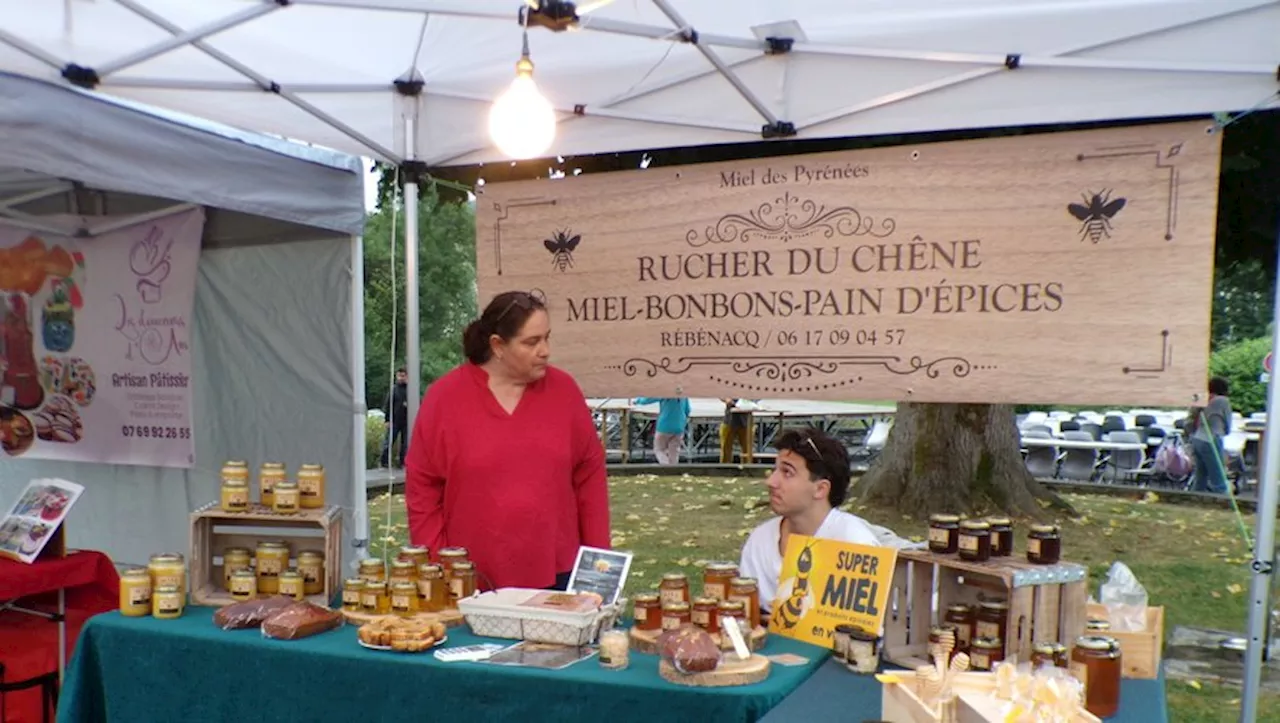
673	417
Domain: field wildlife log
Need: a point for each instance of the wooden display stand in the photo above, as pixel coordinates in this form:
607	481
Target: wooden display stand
450	617
731	671
1140	652
646	641
974	702
213	531
1046	602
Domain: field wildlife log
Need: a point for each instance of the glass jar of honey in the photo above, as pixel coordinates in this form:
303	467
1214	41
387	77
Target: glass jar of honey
731	612
373	569
674	588
236	469
271	558
451	555
963	618
944	533
462	582
404	598
647	611
167	602
352	588
992	619
1053	654
168	569
243	585
864	651
1001	536
235	495
675	614
746	591
286	497
975	541
715	579
1044	545
432	587
290	584
311	565
403	570
311	486
419	556
233	560
375	598
840	636
269	475
704	615
1095	662
135	593
984	653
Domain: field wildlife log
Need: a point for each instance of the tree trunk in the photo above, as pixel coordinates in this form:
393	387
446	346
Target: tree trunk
961	458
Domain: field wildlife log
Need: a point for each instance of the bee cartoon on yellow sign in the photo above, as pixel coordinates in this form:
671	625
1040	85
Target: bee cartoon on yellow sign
825	583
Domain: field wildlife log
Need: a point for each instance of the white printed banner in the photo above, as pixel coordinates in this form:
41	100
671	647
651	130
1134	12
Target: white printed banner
95	334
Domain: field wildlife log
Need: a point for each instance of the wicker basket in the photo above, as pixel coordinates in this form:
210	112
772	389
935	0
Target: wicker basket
500	614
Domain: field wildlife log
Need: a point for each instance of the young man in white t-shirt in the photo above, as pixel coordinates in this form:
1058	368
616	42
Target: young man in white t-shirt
809	481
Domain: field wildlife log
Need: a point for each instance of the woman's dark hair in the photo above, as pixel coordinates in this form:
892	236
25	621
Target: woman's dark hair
825	456
1218	386
505	316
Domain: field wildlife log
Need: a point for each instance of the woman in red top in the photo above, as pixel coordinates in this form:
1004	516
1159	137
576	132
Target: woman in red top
505	459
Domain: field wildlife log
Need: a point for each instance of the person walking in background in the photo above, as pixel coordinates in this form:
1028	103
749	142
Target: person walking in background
396	409
735	428
673	417
1207	426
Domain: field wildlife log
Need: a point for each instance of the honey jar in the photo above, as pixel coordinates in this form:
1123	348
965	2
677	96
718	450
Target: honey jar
984	653
975	541
243	585
674	588
403	570
432	588
373	569
840	636
167	602
404	597
290	584
352	589
1097	625
1095	662
462	582
451	555
269	475
375	598
704	614
233	559
1044	545
1053	654
311	486
675	614
992	619
715	579
963	618
286	497
168	569
272	558
135	592
1001	536
419	556
944	533
647	611
235	495
864	651
745	590
235	469
731	612
311	565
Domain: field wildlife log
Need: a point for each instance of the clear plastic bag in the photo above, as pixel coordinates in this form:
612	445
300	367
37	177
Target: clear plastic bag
300	620
250	613
1125	599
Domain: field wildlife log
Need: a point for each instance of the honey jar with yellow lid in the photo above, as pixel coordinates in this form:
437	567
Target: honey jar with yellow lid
403	570
135	592
404	598
311	486
286	498
233	559
746	591
375	599
373	569
1050	653
674	588
716	577
352	588
243	585
944	533
731	612
167	602
432	587
168	568
703	614
272	558
290	585
974	542
451	555
269	475
235	469
311	565
675	614
462	582
417	555
234	496
1044	545
647	611
1001	536
1096	663
984	653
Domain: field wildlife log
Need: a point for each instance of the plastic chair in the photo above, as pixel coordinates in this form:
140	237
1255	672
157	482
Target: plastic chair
1093	430
1124	463
1068	425
1079	464
1144	420
1042	462
1113	423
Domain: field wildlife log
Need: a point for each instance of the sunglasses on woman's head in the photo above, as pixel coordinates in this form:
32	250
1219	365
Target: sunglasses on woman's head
523	299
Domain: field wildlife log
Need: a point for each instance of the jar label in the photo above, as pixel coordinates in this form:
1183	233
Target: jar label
269	567
981	661
168	604
350	597
400	603
989	630
139	595
455	588
641	614
1033	547
290	589
715	590
1081	673
244	587
670	622
369	600
164	580
963	635
968	543
671	596
701	617
424	589
310	573
941	537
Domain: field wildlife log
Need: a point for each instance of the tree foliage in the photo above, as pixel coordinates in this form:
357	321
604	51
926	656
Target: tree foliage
1240	364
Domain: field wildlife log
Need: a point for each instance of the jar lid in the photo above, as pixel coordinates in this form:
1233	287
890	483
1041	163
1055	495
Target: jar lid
311	554
353	582
405	585
863	636
1001	521
235	551
166	557
975	525
167	589
705	601
272	545
243	573
290	573
312	467
722	566
237	463
674	576
1049	647
1097	624
235	482
994	605
732	605
986	643
137	572
944	517
414	550
1097	643
743	582
285	484
645	597
675	606
273	465
453	551
408	564
960	608
1045	529
846	628
372	562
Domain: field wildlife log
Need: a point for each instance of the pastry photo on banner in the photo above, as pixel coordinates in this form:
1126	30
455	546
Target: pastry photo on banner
95	335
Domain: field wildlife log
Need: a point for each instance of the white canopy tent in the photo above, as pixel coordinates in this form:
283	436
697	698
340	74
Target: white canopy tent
277	346
410	81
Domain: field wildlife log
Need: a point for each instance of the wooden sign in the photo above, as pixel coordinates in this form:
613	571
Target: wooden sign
825	583
1054	268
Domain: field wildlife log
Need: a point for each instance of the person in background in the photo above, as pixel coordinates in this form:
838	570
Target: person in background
396	409
505	459
673	417
1207	426
735	428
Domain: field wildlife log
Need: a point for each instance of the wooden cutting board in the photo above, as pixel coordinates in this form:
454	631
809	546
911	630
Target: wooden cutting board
731	671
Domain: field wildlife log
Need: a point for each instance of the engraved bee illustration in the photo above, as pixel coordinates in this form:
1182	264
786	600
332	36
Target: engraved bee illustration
1096	214
798	597
561	246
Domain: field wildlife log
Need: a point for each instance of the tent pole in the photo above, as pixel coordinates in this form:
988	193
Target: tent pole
413	345
1264	539
359	406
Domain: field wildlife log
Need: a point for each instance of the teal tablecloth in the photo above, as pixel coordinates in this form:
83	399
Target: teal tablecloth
143	669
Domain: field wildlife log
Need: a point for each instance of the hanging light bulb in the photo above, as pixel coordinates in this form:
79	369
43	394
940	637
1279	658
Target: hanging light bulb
522	123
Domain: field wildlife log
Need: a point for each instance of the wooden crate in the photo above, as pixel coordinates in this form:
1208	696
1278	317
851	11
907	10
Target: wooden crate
974	702
1140	653
213	531
1046	602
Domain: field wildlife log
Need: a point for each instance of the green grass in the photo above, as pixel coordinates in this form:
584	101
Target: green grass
1192	560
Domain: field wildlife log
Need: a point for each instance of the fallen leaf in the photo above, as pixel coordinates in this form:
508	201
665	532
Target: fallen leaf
1195	684
637	573
683	562
633	517
1235	589
651	561
1215	594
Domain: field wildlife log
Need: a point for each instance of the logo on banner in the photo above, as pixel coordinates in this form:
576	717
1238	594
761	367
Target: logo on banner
826	583
1096	214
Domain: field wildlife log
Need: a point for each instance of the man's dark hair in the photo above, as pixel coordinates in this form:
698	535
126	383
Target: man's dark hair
402	370
1218	386
825	456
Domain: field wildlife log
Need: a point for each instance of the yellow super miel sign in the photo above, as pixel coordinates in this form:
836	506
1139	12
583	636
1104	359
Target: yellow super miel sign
826	583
